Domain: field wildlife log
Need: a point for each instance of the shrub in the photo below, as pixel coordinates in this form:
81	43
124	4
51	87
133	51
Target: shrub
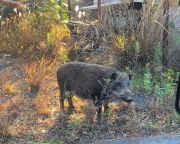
42	106
147	81
38	72
34	34
56	38
58	34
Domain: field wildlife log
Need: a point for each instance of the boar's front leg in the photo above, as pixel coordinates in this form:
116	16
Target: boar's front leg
99	112
70	102
98	105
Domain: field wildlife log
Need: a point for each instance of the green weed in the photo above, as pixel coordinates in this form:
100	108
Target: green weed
147	81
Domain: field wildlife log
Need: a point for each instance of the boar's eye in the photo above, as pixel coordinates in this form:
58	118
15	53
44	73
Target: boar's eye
114	76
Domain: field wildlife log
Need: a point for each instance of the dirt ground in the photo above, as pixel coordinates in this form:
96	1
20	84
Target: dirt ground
28	117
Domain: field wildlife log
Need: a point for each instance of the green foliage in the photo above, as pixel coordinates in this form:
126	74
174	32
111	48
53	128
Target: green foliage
137	47
64	13
71	130
58	34
5	12
73	125
169	78
56	38
137	82
157	56
159	92
152	125
169	89
67	94
49	9
147	81
89	126
169	75
161	88
160	85
173	121
43	6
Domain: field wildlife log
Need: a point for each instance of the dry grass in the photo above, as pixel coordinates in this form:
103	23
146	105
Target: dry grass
32	36
38	118
5	128
7	86
10	89
38	72
43	105
134	46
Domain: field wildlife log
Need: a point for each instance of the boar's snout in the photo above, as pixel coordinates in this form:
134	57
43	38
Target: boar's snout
129	99
125	95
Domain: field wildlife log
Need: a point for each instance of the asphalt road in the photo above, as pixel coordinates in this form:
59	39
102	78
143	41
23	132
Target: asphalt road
165	139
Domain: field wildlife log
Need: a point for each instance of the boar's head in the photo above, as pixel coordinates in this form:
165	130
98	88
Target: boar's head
117	87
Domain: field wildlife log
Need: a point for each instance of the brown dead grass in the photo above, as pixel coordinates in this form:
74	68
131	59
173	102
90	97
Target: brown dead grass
42	105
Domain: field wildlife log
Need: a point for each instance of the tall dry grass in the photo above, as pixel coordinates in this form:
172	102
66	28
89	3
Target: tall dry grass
33	36
133	33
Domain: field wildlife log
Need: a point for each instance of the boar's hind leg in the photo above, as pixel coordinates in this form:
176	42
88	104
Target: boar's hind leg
70	102
62	99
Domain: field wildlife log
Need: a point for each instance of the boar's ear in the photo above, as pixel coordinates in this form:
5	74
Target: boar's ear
130	76
113	76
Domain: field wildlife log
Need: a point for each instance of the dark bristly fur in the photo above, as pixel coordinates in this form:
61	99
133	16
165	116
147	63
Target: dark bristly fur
177	101
86	81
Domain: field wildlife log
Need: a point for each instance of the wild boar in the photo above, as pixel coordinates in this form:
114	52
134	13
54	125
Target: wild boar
92	81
